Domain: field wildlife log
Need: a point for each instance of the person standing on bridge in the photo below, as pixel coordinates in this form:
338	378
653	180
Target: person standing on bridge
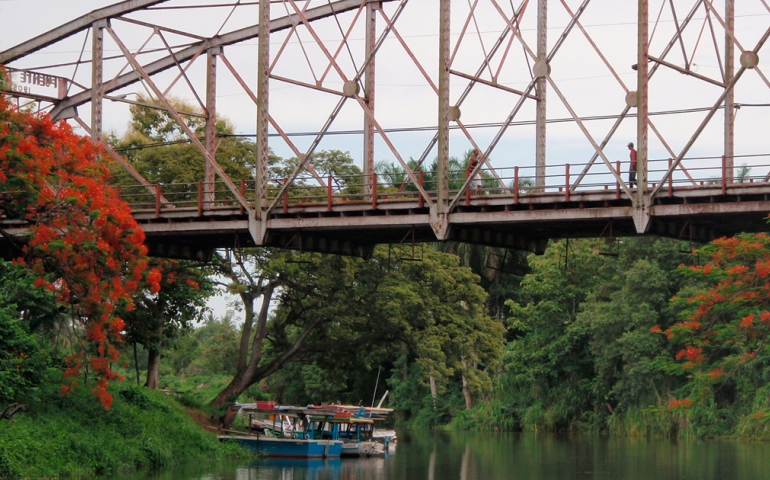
632	166
475	185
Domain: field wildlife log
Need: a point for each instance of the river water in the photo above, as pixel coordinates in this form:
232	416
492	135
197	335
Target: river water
450	456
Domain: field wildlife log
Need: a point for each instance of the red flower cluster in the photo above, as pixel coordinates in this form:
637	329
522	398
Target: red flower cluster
679	404
83	244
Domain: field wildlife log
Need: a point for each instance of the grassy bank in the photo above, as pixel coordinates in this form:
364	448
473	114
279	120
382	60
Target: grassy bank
75	437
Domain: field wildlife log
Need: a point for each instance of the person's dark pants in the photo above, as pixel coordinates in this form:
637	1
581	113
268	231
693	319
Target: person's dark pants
631	178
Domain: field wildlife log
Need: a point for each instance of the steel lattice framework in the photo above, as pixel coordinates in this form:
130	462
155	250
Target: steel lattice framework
580	78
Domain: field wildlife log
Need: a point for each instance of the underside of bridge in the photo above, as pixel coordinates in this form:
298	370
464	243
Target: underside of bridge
694	216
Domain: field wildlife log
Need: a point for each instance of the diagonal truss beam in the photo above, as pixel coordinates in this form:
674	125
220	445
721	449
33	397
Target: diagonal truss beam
187	53
708	118
627	109
193	138
464	95
73	27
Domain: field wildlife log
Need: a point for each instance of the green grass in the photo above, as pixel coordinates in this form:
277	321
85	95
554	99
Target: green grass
74	437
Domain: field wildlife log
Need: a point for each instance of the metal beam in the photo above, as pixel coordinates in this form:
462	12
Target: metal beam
542	69
97	72
729	151
369	92
263	95
211	124
442	180
641	204
187	53
70	28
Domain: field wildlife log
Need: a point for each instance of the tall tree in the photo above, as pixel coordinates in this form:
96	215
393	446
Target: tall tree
82	243
434	308
721	340
160	316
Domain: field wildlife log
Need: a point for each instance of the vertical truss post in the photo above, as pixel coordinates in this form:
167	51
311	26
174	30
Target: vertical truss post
97	78
729	153
542	69
442	183
369	87
642	204
263	90
211	123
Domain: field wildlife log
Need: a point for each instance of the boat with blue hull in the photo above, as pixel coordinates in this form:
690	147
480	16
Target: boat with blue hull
284	432
327	431
287	447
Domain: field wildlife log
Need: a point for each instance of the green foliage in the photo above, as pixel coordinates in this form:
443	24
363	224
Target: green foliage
23	360
582	352
27	313
75	437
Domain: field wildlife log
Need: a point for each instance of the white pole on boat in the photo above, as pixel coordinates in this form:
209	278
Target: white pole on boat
376	384
383	398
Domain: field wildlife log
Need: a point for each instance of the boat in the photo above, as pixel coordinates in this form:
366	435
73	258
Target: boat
266	433
325	431
354	425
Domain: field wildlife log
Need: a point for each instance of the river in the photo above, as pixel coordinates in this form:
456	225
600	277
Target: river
487	456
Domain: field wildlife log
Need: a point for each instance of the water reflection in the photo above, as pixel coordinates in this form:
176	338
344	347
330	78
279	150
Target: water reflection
446	456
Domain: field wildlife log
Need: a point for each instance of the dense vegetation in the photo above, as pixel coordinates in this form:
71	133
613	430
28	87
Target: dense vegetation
74	436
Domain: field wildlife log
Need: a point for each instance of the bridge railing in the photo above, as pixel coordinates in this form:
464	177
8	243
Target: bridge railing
561	181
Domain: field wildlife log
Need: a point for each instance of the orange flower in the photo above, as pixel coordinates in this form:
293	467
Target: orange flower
715	374
747	322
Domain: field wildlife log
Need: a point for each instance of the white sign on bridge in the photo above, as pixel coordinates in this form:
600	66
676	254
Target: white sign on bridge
27	83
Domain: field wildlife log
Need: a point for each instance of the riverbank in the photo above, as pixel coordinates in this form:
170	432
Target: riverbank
74	437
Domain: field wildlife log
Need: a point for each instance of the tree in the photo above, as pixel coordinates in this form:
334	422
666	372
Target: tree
160	316
25	311
326	305
82	243
723	335
159	149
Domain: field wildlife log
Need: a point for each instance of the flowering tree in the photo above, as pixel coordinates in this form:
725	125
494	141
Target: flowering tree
81	242
725	329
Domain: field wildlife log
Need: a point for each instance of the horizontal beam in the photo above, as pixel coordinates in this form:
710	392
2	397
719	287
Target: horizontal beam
70	28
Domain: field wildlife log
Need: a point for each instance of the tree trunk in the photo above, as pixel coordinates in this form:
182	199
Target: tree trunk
254	371
433	390
153	359
136	365
153	362
467	394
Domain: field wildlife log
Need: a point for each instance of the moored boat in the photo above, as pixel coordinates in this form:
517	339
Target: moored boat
325	431
274	447
283	432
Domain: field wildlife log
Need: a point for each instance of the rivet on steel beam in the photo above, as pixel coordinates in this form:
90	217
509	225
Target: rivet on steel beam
631	99
541	69
749	59
454	113
350	89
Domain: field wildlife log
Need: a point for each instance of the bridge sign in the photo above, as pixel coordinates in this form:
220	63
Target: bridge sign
41	86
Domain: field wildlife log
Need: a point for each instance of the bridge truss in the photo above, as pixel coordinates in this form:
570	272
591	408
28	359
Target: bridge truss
549	93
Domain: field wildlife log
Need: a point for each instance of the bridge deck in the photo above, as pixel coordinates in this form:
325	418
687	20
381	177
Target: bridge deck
353	227
180	221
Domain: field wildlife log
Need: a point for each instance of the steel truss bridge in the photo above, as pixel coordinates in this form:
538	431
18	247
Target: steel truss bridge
577	79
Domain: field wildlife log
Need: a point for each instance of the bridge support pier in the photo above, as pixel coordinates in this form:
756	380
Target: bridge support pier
439	222
642	216
258	228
